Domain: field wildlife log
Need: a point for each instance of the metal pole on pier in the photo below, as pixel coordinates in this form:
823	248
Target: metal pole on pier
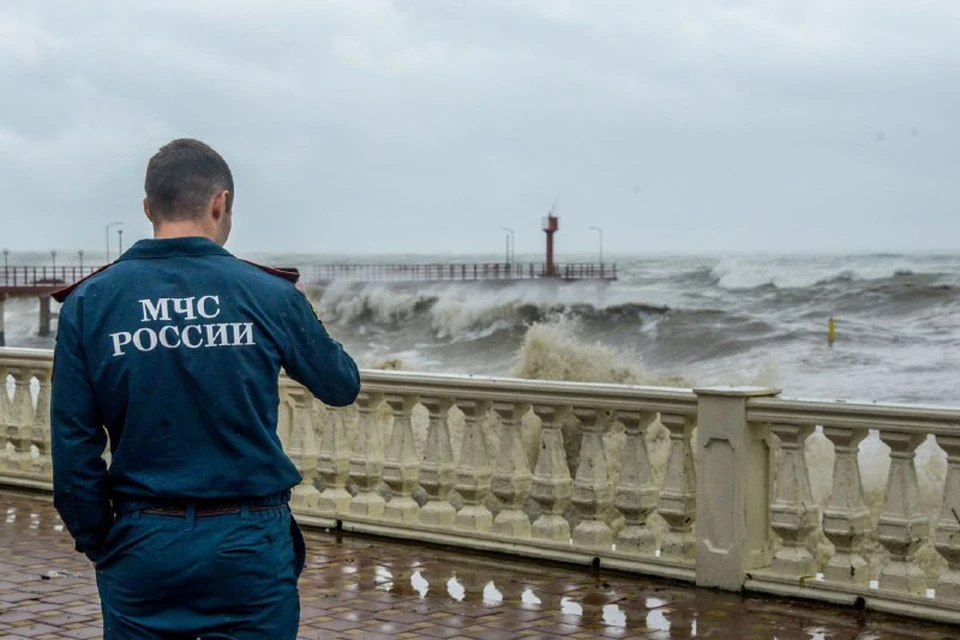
510	244
107	235
600	232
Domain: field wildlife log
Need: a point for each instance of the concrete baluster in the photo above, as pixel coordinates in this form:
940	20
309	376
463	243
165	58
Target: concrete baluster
903	528
6	415
512	479
793	514
592	490
678	495
636	497
402	465
366	459
552	486
303	449
40	434
947	538
473	472
846	518
334	463
437	468
21	422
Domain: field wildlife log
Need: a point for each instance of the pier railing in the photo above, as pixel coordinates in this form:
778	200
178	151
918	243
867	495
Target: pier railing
443	272
709	486
42	276
25	278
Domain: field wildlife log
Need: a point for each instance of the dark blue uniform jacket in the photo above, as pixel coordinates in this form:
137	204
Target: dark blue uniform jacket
175	351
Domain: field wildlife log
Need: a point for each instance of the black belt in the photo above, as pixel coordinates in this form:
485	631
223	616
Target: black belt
207	511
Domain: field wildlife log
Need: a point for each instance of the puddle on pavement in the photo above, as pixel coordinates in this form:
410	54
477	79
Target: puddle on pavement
492	595
420	584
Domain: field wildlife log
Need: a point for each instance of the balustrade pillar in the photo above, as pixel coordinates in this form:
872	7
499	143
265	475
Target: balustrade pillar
512	479
21	420
40	432
636	497
732	499
366	460
592	490
473	472
401	466
793	514
303	449
6	415
947	539
437	468
552	486
334	464
678	495
903	528
846	518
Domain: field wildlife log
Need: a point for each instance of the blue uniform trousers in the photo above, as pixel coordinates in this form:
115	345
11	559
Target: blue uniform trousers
220	576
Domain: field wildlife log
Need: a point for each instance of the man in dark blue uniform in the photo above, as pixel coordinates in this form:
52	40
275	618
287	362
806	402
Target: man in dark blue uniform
174	351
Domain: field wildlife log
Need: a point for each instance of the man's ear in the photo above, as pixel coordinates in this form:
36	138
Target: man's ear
146	210
218	206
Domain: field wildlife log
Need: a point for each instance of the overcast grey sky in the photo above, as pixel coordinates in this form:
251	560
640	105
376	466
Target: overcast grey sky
399	126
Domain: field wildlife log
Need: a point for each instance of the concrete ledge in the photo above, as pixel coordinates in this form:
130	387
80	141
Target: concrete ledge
872	599
488	542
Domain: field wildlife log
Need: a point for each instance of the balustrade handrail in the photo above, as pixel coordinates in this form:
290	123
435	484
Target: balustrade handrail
869	415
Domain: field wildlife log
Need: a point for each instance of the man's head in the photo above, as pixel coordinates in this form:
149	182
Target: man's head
189	191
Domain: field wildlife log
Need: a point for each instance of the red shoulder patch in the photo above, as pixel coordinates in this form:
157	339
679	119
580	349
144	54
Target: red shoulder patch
61	294
287	273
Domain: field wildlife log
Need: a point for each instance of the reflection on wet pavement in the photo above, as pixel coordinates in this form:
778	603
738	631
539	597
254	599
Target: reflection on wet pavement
368	588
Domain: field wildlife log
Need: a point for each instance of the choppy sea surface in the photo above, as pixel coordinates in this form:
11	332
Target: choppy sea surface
697	320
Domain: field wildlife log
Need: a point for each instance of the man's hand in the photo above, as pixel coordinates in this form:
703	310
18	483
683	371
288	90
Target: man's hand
300	287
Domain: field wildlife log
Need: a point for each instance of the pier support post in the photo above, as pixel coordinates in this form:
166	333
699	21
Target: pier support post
3	337
733	488
45	315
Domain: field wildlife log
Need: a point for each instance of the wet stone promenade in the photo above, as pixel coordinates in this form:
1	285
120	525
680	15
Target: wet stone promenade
365	588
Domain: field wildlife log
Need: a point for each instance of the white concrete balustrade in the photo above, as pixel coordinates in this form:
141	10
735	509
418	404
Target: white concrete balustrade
708	486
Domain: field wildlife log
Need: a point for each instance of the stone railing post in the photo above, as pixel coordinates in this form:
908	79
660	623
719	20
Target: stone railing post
677	503
592	490
846	518
303	449
401	465
793	513
436	468
902	528
334	464
366	458
552	485
473	471
636	497
733	488
5	414
40	433
21	420
947	538
512	479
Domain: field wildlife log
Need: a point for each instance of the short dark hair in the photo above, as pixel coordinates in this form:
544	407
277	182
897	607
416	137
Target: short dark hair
182	177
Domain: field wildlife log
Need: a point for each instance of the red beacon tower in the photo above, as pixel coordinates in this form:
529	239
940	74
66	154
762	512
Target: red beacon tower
551	224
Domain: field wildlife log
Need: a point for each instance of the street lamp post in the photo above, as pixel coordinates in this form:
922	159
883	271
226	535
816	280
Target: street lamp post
6	252
107	236
53	255
80	253
600	233
119	242
510	244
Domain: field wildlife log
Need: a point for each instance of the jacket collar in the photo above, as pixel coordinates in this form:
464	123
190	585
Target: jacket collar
172	248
